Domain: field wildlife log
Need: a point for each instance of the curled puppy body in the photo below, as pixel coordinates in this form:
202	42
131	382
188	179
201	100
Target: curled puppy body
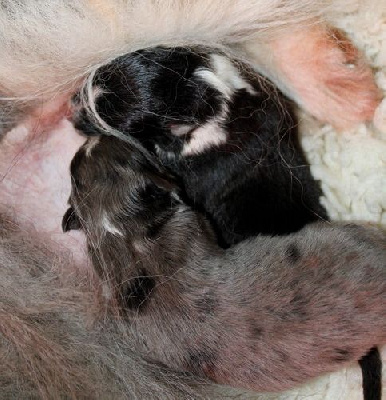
289	40
224	131
285	301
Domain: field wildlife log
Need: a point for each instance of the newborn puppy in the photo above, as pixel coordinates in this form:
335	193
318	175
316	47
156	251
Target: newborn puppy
224	131
285	302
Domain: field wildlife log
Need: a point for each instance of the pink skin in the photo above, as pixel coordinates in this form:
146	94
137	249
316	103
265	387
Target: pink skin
35	178
323	72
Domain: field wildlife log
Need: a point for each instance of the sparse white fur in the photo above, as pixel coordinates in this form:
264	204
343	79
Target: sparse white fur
107	224
90	145
225	76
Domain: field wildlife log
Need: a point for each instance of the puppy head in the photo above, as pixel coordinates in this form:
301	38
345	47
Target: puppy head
117	190
157	82
161	96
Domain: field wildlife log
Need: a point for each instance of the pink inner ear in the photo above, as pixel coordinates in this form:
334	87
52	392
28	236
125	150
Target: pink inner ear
326	75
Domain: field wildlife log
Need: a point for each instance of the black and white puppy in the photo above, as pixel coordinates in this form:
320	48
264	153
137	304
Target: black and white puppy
224	131
266	314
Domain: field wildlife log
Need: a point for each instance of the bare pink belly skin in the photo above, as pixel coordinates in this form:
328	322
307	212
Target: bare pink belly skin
323	72
35	180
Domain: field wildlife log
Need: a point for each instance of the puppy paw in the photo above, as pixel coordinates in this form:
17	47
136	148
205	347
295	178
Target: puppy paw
327	75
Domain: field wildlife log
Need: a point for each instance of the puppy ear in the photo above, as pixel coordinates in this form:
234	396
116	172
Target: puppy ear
70	221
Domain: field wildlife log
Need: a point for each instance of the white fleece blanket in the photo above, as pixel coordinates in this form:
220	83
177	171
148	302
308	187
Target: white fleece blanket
352	168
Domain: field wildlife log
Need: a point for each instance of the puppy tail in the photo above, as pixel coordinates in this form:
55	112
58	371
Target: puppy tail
371	365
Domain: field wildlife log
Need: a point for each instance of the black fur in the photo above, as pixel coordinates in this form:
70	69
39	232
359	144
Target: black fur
258	181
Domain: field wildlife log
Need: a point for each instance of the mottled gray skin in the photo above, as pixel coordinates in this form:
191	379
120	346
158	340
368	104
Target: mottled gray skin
267	314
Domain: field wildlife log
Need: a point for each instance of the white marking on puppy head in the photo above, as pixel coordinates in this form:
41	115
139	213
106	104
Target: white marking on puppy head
106	291
141	246
90	144
225	77
210	134
109	227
